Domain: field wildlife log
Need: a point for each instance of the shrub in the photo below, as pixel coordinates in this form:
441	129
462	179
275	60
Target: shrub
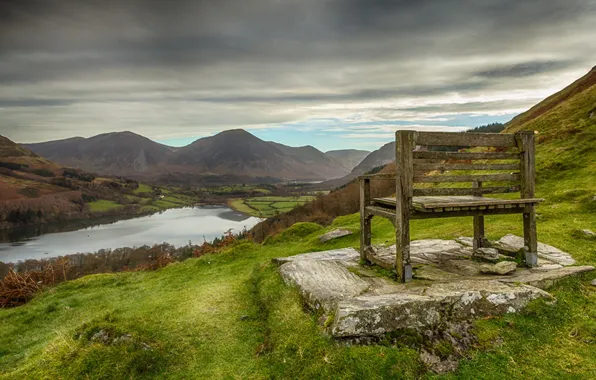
43	173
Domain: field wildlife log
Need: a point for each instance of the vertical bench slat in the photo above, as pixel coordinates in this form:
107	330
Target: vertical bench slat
405	144
365	220
525	142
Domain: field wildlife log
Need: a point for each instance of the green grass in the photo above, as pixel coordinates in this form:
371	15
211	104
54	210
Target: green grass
143	188
268	206
230	315
103	205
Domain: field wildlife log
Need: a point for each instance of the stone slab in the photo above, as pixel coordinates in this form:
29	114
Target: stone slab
513	243
546	279
500	268
447	286
322	283
343	254
335	234
374	316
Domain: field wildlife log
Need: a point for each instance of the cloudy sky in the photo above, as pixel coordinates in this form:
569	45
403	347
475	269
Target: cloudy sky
330	73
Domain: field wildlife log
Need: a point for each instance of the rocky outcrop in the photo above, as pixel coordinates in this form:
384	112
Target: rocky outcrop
459	300
449	285
323	283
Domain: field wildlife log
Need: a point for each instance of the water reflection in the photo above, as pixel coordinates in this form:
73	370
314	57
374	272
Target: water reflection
175	226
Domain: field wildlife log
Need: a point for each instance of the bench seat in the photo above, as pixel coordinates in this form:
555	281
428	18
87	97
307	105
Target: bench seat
457	203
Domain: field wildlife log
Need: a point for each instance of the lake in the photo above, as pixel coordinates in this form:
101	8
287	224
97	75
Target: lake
174	226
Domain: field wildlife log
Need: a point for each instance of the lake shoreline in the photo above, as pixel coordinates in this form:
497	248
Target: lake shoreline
176	226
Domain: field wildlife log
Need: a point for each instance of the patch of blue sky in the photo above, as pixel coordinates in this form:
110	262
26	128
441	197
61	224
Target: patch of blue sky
334	133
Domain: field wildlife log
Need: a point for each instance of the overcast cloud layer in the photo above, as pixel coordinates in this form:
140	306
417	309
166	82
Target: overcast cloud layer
330	73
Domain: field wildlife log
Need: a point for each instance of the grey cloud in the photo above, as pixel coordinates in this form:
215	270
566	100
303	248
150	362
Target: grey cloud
524	69
259	62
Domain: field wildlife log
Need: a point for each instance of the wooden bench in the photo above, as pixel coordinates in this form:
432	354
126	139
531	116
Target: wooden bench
507	166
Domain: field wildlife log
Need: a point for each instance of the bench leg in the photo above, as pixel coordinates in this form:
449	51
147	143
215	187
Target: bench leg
530	238
365	236
365	220
403	267
478	232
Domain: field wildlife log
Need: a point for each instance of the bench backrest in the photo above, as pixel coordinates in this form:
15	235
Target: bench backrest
510	165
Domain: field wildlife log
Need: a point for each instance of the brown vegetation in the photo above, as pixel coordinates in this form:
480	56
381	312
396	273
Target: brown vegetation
18	288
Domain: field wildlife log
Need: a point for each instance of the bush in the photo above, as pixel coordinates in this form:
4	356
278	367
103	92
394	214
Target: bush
76	174
10	165
43	173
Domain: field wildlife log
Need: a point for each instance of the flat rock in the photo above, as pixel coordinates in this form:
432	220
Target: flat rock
322	283
546	279
513	243
375	315
465	240
463	267
589	232
432	273
337	233
500	268
428	251
593	282
488	254
343	254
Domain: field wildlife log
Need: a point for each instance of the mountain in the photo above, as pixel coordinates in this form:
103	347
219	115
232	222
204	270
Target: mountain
349	158
379	157
117	153
238	152
229	154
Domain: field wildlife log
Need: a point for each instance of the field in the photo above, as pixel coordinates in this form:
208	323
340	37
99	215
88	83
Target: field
103	205
265	207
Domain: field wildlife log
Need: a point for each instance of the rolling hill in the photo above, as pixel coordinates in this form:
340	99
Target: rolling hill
118	153
229	154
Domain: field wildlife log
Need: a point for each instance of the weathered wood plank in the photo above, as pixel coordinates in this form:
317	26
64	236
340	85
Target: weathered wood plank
457	214
405	144
514	177
465	139
478	241
445	166
430	202
464	191
485	202
466	156
382	212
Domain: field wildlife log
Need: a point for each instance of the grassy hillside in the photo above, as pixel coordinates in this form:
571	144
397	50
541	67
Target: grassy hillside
566	151
228	315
